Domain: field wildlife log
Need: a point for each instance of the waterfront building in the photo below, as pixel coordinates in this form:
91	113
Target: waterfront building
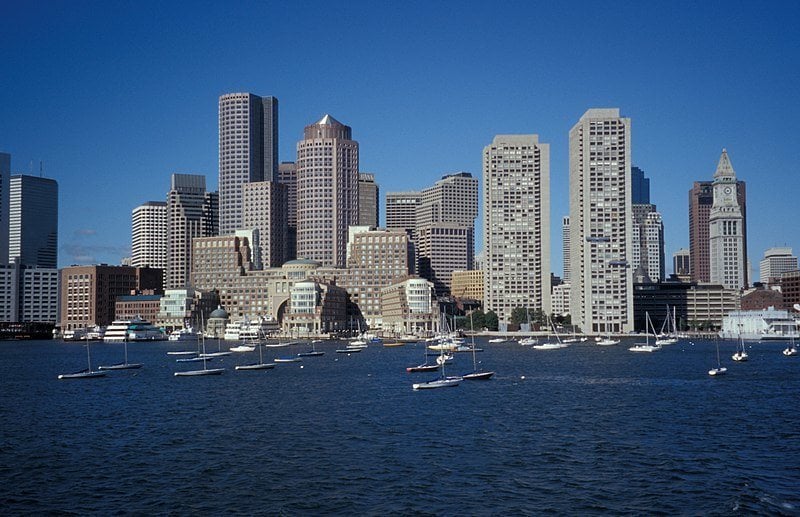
376	258
761	297
768	324
694	306
467	284
33	221
216	323
701	198
559	300
137	305
368	200
442	248
248	151
681	264
88	293
790	287
409	306
565	247
775	262
327	191
191	212
401	211
265	211
28	293
727	258
149	235
600	222
316	307
648	241
516	201
183	308
287	175
5	177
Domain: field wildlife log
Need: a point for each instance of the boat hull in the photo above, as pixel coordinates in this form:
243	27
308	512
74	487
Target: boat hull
423	368
261	366
121	366
82	375
197	373
448	382
477	376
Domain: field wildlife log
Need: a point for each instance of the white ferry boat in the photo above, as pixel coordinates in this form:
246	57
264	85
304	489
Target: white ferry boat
185	334
250	329
135	329
763	325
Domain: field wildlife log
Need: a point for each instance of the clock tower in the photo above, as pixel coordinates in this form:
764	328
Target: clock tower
726	229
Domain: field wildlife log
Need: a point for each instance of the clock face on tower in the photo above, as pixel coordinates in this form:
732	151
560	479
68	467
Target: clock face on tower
727	190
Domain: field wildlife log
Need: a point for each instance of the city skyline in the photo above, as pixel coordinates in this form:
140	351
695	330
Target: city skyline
692	80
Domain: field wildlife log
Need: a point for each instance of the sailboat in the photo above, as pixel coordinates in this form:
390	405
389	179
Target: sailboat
475	374
84	374
260	365
667	336
311	353
442	382
550	345
719	370
122	366
741	354
288	359
218	353
424	367
791	349
201	357
646	347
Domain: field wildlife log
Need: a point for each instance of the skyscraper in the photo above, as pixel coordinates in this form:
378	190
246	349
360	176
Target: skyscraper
327	191
640	187
565	246
33	221
149	235
647	240
727	260
681	261
191	212
775	262
5	174
265	211
368	200
248	150
600	222
287	175
401	211
516	208
701	197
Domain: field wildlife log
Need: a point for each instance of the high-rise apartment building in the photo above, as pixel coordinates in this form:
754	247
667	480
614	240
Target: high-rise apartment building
565	247
516	193
727	259
452	199
33	221
191	212
775	262
287	175
327	191
248	151
265	210
5	175
701	197
441	249
149	235
601	280
401	211
368	200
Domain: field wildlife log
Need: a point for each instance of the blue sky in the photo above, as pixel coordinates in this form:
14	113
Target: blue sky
114	97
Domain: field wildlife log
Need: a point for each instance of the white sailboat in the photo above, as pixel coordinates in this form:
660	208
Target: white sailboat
719	370
122	366
741	354
607	341
201	357
667	336
311	353
88	373
475	374
260	365
790	350
443	381
288	359
646	347
550	345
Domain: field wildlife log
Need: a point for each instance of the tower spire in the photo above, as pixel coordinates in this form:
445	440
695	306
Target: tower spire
724	167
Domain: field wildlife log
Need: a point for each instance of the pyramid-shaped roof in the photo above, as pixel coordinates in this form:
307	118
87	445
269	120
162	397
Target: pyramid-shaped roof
327	120
724	167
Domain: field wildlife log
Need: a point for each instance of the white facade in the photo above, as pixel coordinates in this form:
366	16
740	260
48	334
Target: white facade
775	262
28	293
305	297
565	247
560	299
149	235
726	229
5	174
600	222
648	242
516	201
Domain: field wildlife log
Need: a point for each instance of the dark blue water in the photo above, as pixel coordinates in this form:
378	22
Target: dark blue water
584	430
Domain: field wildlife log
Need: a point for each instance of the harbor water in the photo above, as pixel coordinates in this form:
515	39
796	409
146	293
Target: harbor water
578	431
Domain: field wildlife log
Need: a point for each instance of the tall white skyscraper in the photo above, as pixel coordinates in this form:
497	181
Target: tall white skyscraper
5	174
516	201
565	247
601	297
149	235
327	191
775	262
248	151
726	229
